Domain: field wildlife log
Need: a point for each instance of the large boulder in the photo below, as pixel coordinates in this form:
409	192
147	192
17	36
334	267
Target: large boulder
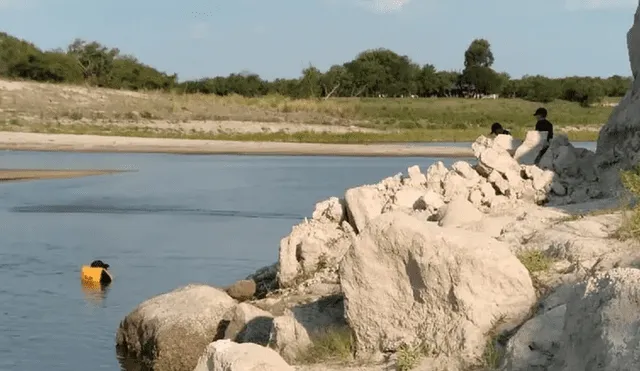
440	286
575	178
225	355
601	324
170	331
296	329
248	324
619	139
533	347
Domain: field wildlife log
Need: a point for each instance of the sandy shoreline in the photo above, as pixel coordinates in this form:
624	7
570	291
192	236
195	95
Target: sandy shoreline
97	143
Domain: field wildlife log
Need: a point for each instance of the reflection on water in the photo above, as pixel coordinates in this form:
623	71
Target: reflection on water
94	293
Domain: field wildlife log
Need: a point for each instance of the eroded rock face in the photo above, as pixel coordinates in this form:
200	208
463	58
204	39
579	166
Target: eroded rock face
601	324
310	246
225	355
619	139
446	287
170	331
534	345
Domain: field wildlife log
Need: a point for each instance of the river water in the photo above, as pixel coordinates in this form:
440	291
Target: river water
170	221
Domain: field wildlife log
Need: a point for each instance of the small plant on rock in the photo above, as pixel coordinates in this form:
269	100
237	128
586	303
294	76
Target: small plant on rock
630	227
534	260
493	351
334	344
408	357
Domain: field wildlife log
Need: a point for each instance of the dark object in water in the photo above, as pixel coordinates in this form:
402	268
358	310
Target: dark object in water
99	264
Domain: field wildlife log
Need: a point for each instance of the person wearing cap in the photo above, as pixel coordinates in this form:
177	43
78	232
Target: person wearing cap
543	125
497	129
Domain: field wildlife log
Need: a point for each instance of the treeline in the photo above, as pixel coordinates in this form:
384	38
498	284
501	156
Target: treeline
373	73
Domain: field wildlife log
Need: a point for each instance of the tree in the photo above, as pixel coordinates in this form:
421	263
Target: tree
310	86
381	71
483	79
336	81
371	73
95	60
478	54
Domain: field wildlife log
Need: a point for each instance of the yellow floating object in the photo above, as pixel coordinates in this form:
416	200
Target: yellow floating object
94	276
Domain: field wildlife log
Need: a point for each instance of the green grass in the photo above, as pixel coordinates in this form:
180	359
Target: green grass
114	112
534	260
630	227
392	136
334	344
408	357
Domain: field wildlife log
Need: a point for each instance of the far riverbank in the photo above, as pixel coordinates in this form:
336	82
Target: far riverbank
98	143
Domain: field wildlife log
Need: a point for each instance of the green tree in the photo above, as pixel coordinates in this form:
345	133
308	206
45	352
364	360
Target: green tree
95	60
484	79
310	83
381	71
478	54
336	81
428	81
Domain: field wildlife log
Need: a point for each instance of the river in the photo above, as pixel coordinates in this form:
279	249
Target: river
172	220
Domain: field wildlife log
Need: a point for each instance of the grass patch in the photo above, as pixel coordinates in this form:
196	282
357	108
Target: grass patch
355	137
425	119
630	226
334	344
493	350
408	357
534	260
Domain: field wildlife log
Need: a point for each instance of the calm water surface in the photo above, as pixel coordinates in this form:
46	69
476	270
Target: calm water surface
172	221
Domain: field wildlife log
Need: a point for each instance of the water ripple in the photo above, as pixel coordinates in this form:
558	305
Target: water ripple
111	209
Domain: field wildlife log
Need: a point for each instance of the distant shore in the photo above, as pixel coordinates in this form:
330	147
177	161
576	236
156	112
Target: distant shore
98	143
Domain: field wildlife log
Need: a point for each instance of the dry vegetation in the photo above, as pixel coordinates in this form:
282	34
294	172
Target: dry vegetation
49	108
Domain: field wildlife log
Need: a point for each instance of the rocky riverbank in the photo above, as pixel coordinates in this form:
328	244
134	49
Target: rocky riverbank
494	265
481	266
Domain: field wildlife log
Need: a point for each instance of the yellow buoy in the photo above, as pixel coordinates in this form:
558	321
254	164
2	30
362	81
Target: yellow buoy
90	274
95	274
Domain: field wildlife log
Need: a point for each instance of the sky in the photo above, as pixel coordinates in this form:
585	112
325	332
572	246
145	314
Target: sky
278	38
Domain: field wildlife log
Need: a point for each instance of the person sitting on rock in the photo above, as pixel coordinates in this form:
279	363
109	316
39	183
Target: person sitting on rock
497	129
543	125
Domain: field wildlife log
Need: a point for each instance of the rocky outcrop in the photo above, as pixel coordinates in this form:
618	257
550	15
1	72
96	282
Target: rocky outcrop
314	243
601	324
408	281
594	327
225	355
458	196
619	139
170	331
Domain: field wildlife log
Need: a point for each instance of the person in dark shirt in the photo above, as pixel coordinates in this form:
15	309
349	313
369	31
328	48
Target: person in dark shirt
543	125
497	129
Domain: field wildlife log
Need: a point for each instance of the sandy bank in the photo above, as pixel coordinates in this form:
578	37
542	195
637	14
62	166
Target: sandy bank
96	143
10	175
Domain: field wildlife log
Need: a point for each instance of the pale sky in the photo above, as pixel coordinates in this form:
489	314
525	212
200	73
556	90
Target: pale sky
197	38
